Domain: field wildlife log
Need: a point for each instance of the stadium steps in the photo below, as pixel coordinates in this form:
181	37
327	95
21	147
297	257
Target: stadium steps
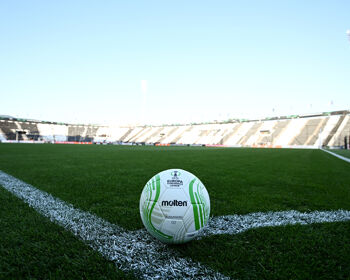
176	134
265	140
333	131
167	134
33	131
278	130
134	132
205	132
163	134
138	136
346	129
202	136
170	135
215	139
126	134
226	138
254	139
189	135
245	139
90	133
144	135
306	132
9	129
263	136
93	132
115	134
241	132
2	135
181	135
155	133
215	132
343	130
83	135
315	136
75	133
214	135
218	136
20	136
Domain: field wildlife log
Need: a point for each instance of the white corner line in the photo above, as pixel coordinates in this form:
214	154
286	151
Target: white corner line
235	224
336	155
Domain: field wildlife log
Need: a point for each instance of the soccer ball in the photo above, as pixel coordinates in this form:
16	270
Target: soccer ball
174	206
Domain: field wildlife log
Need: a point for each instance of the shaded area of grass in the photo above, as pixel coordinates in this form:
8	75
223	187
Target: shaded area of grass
32	247
107	180
319	251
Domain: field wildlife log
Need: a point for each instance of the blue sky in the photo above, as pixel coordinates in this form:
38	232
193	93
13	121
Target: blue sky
84	61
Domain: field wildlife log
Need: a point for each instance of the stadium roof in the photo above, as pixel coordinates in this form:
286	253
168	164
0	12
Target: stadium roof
6	117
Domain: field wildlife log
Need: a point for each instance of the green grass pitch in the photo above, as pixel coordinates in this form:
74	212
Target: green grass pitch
108	180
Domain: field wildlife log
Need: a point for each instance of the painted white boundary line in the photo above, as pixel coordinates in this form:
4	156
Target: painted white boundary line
234	224
336	155
131	251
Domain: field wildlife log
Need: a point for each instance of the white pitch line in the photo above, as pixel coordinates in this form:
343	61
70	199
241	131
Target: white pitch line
131	251
336	155
234	224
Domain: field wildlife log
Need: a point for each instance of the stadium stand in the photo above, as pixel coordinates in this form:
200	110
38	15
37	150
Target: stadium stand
230	132
126	134
242	129
139	134
75	133
178	139
8	129
154	137
176	135
324	129
168	131
343	130
284	131
31	129
251	132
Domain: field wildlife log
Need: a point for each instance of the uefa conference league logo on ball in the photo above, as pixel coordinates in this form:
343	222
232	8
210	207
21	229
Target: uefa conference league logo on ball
174	206
175	181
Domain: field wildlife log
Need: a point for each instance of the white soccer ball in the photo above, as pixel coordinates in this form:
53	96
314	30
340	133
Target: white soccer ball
174	206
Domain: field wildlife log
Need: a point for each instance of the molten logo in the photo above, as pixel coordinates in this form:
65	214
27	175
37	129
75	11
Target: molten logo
174	203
